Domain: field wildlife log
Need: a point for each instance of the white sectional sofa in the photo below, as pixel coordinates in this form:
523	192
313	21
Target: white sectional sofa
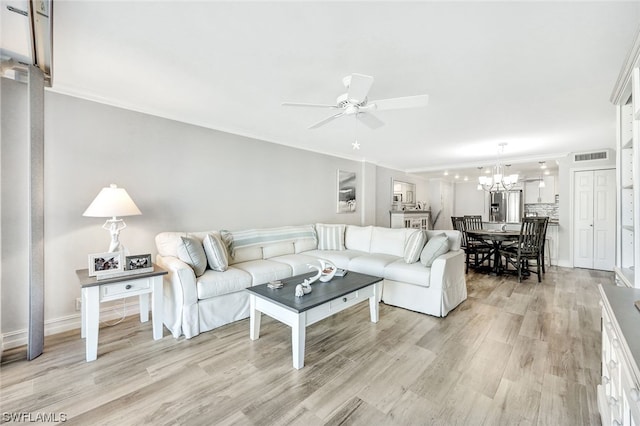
198	298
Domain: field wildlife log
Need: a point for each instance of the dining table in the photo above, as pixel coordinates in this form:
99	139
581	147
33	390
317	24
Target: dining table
497	238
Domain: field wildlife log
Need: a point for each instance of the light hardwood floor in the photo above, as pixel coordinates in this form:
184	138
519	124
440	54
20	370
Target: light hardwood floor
511	354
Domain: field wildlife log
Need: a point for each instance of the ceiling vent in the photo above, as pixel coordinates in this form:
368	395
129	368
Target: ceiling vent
590	156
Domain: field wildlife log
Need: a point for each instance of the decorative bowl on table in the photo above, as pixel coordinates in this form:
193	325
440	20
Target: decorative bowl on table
326	271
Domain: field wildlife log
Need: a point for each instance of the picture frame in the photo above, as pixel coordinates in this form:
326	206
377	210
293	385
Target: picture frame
138	262
105	263
346	192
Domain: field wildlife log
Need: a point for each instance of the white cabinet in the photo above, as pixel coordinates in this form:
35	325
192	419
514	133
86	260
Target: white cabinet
552	240
410	219
618	394
628	154
534	194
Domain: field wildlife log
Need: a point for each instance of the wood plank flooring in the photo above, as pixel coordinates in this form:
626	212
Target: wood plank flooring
525	354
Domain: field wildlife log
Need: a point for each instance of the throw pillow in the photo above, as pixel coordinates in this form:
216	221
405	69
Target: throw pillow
216	253
435	247
330	237
414	247
192	253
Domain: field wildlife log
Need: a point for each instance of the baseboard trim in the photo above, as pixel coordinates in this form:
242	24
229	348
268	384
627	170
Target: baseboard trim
111	312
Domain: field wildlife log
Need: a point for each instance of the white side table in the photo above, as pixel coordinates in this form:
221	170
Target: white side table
94	292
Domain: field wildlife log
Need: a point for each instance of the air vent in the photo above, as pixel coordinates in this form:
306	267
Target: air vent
590	156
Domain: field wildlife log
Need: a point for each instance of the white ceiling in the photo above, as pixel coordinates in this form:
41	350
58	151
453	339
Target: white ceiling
537	75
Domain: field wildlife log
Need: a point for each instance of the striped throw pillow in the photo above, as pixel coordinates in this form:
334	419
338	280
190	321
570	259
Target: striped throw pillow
414	246
330	237
216	253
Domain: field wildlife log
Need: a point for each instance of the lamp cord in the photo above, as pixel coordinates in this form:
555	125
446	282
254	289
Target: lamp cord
124	311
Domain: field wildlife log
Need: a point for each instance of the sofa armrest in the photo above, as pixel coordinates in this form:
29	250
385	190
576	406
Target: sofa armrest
180	297
448	276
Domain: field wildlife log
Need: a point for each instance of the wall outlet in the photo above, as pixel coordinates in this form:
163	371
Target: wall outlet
78	304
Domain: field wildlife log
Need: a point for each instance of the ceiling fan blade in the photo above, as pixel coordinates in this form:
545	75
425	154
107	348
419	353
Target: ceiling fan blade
370	120
359	87
326	120
301	104
418	101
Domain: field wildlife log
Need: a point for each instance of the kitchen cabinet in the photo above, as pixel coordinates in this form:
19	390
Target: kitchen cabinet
534	194
552	241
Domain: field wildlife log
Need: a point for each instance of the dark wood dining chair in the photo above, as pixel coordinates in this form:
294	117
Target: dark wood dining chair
528	248
478	249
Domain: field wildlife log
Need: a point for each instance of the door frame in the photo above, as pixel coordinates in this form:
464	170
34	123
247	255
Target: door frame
572	175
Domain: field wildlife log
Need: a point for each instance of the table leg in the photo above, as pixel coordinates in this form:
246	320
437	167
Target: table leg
83	313
255	317
92	317
298	336
496	257
143	301
157	308
373	303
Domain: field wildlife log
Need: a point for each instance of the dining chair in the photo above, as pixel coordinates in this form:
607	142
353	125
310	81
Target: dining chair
478	249
527	249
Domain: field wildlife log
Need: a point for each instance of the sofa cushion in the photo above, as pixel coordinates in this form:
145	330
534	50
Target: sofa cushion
358	237
215	283
216	252
245	254
414	246
305	245
455	237
263	271
413	273
277	249
340	258
191	252
388	241
372	263
299	263
435	247
330	237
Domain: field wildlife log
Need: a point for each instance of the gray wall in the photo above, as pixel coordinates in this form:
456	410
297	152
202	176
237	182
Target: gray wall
182	177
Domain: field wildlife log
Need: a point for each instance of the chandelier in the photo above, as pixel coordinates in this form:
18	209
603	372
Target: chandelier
499	181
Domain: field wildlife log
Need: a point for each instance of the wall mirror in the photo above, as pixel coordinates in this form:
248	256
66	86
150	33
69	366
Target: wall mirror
403	194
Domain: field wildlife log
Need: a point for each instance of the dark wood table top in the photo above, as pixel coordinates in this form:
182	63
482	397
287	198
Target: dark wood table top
494	234
321	293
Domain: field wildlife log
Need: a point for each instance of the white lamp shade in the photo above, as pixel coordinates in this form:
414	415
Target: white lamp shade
112	202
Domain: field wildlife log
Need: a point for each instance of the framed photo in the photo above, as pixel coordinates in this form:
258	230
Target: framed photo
138	261
346	192
105	263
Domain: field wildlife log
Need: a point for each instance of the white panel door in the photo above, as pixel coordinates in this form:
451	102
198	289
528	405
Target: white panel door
583	220
594	219
604	219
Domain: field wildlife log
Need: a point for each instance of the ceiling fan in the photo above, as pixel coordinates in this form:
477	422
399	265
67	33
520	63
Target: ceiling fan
355	102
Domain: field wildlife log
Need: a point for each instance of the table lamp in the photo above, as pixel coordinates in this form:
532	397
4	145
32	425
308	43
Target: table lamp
112	202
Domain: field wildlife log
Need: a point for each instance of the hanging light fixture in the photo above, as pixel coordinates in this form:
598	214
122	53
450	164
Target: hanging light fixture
499	181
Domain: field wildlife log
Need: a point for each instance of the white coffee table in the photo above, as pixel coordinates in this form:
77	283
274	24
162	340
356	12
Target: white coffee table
325	300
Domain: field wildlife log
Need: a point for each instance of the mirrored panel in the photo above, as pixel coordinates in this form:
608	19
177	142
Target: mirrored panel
403	194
